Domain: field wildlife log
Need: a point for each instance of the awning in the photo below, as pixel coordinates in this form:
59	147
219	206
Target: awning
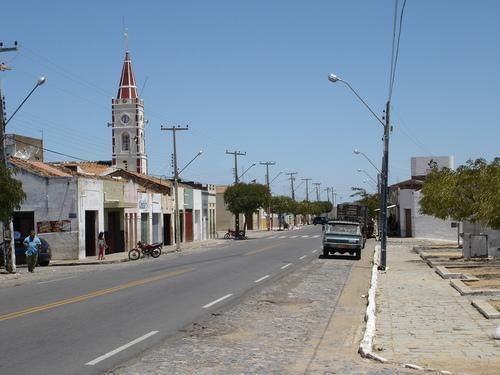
119	204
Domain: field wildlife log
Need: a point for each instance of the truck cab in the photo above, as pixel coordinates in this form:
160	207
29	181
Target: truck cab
343	237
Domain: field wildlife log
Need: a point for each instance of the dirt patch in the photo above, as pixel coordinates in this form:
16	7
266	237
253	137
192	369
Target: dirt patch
489	277
483	284
495	303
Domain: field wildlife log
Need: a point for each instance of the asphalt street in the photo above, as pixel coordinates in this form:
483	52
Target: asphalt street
89	322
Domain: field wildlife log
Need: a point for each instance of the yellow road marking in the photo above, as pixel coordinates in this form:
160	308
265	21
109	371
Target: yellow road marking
97	293
263	249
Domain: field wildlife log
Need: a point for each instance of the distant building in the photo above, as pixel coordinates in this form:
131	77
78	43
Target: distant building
422	165
23	147
128	138
404	217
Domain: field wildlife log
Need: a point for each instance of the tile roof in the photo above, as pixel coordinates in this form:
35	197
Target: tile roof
40	168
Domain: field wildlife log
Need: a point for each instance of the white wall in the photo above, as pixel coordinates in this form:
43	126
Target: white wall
91	198
197	217
430	227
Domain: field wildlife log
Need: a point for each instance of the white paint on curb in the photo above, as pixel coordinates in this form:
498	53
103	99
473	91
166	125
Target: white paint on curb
496	335
365	347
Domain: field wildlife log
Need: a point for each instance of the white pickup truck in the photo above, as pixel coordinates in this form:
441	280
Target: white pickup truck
343	237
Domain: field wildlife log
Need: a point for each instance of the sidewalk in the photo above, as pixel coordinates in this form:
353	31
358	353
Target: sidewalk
422	320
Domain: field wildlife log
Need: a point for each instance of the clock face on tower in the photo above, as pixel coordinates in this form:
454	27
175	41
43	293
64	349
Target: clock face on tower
125	118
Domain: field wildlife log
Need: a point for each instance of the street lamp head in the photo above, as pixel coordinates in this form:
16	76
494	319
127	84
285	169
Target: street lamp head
356	151
359	169
200	152
41	81
333	78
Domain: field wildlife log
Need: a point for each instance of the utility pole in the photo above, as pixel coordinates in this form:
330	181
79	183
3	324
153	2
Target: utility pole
174	129
236	180
307	187
291	182
317	184
384	189
267	164
8	228
236	154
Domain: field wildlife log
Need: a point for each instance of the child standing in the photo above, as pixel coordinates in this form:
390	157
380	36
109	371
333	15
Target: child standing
101	244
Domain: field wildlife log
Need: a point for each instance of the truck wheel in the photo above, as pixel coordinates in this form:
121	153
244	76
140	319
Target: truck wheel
357	256
325	253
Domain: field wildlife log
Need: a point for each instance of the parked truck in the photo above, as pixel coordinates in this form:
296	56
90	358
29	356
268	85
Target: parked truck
356	213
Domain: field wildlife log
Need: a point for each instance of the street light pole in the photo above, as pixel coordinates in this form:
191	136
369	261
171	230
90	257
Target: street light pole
252	165
10	263
174	129
385	169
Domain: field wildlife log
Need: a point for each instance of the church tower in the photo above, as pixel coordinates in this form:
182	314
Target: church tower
129	149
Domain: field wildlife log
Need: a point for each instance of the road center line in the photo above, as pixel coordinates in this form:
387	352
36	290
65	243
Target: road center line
314	251
217	301
286	265
121	348
263	249
262	278
302	257
97	293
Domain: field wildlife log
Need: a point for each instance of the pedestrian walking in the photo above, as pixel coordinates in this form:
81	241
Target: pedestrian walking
101	244
32	244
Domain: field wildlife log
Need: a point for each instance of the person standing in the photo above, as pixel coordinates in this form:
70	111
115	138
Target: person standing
32	244
101	245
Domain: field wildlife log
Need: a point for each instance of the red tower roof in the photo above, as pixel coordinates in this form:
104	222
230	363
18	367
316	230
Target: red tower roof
128	89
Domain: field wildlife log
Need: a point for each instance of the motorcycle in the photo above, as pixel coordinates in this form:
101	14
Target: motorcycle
145	249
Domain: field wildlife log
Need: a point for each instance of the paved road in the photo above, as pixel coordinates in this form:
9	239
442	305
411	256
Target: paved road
88	322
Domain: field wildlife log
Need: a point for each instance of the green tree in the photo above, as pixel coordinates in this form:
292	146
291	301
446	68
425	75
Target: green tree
470	193
244	199
371	201
321	207
281	205
11	193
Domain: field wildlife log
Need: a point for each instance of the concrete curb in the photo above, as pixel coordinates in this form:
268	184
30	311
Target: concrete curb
486	309
365	347
465	290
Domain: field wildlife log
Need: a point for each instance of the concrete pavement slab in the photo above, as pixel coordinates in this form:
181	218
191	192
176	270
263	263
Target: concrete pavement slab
430	324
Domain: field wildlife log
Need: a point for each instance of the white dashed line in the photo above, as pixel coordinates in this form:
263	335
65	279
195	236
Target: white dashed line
293	236
262	278
306	236
314	251
286	266
282	237
316	236
51	281
217	301
302	257
121	348
270	238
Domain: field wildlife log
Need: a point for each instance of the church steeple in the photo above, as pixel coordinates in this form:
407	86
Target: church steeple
127	89
129	149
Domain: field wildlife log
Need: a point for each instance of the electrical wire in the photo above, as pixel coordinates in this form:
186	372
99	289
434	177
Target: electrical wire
395	54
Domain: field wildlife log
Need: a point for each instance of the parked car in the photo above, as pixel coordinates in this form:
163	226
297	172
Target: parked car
343	237
44	253
320	220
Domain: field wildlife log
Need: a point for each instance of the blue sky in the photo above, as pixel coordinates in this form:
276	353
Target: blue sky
251	76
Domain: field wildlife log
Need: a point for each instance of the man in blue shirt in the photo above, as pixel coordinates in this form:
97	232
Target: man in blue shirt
32	243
